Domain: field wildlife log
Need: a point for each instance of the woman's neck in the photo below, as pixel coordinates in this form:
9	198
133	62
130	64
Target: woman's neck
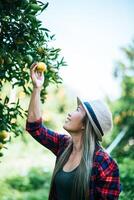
77	144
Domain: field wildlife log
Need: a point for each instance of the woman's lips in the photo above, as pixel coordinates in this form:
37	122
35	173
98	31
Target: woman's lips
67	119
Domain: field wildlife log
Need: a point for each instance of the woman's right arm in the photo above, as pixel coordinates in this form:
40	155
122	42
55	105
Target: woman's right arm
34	111
48	138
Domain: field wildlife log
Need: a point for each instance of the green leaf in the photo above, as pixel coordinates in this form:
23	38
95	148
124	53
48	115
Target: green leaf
45	29
46	34
45	6
35	6
6	100
52	37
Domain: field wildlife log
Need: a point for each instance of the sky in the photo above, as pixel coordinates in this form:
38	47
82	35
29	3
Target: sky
90	34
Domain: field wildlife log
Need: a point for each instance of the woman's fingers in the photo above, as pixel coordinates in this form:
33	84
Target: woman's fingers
32	70
33	66
40	75
36	75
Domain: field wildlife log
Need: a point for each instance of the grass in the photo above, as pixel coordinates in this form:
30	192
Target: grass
25	170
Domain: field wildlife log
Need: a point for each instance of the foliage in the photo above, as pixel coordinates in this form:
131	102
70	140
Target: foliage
123	115
123	108
127	177
23	41
35	179
19	183
32	186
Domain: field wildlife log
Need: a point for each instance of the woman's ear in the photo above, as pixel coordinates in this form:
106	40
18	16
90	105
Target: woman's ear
84	120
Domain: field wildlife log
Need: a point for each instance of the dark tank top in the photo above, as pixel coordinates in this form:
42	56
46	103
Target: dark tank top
64	184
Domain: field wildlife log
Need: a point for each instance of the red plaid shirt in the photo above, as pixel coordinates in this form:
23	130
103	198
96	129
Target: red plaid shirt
105	181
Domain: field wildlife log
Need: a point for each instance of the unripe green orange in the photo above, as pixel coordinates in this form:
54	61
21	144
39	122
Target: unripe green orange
40	50
3	135
41	67
28	59
19	41
8	59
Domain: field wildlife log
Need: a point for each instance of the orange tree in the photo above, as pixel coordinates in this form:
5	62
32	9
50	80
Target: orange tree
23	40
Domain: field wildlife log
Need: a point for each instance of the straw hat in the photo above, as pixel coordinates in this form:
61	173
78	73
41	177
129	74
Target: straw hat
99	115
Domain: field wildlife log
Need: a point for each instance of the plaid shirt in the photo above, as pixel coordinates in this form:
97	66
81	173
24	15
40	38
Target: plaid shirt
105	181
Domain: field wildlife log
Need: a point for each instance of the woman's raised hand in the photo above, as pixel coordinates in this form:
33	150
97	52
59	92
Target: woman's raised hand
36	76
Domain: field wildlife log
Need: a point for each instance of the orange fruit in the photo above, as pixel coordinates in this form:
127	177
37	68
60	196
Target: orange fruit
1	145
41	67
21	95
117	120
40	50
3	135
1	61
19	41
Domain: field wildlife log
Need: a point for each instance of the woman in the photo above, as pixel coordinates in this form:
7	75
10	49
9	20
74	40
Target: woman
83	169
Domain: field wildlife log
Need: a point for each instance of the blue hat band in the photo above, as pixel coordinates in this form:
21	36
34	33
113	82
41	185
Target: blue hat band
90	110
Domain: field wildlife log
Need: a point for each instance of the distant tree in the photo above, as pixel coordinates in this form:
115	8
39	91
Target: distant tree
123	107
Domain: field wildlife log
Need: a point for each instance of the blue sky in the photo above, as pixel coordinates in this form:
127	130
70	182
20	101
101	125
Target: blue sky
90	34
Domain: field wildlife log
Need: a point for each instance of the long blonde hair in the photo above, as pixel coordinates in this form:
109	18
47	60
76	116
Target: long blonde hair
83	172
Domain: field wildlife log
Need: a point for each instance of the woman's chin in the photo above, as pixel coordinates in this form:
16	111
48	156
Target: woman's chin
65	126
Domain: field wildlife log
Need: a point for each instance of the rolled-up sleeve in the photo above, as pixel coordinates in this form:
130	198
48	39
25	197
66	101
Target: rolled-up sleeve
108	185
48	138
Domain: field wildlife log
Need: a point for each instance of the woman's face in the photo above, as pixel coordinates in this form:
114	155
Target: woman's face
73	122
